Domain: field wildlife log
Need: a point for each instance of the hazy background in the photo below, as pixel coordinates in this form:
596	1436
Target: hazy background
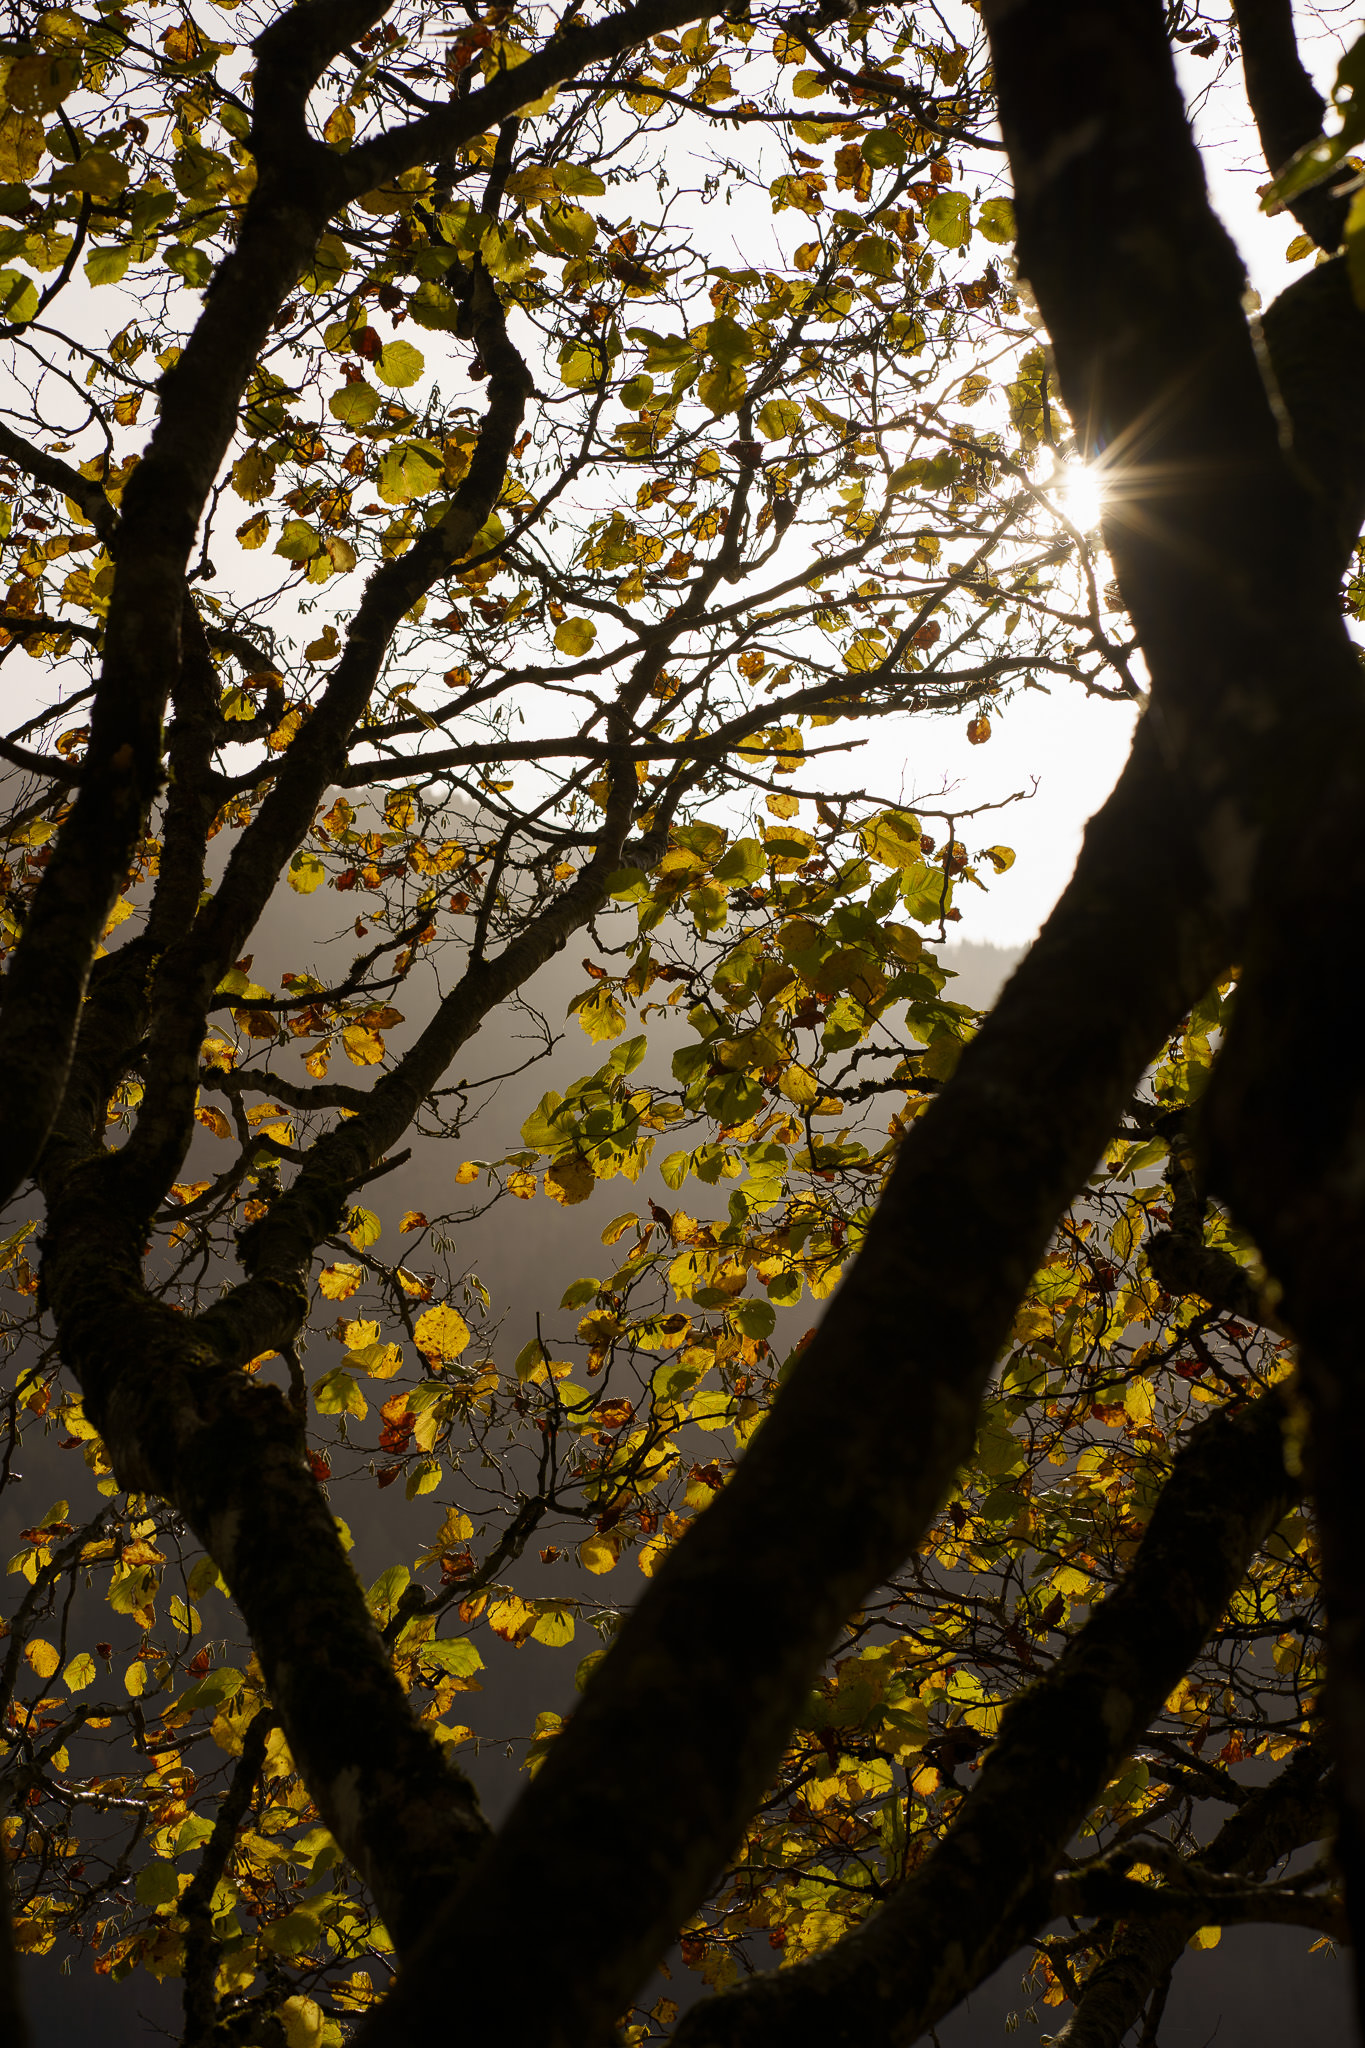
1261	1989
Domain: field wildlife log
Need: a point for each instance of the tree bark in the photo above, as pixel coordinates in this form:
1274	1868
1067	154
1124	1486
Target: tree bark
988	1885
1230	565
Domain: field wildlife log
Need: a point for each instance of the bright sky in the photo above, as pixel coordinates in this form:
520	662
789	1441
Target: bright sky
1065	749
1072	748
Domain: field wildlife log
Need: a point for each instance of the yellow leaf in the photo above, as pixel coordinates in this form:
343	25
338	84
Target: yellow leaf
521	1184
98	172
41	1657
575	636
306	873
442	1333
135	1680
554	1626
413	1219
363	1046
893	839
598	1554
380	1361
569	1180
456	1528
39	84
79	1673
339	130
799	1085
1206	1937
339	1282
286	729
303	2022
466	1172
21	146
1139	1401
511	1619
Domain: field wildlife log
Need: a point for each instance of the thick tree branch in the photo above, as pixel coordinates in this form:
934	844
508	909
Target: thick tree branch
316	757
566	55
682	1726
60	476
1289	1812
201	1949
1270	741
1287	108
1223	561
225	1450
989	1883
266	1309
299	185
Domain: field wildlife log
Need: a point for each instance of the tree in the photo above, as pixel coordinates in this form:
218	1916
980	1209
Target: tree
716	546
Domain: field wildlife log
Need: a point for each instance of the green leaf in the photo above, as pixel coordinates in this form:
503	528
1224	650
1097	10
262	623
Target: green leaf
331	260
109	264
575	636
599	1013
554	1625
157	1884
411	469
721	389
386	1592
193	264
778	418
432	306
754	1318
424	1478
338	1393
743	862
582	363
18	297
572	231
874	256
674	1169
996	221
579	180
223	1684
948	219
453	1654
363	1228
727	342
293	1934
299	542
628	885
355	405
98	172
882	148
399	365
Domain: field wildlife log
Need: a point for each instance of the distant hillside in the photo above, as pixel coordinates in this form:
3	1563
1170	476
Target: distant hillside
981	970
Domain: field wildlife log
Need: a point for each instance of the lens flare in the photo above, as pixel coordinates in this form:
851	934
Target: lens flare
1081	495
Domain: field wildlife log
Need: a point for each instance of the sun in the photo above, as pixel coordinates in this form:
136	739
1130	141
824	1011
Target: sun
1081	495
